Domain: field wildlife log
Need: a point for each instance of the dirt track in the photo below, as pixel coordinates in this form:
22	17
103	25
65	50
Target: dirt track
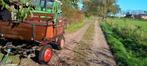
77	46
97	51
100	54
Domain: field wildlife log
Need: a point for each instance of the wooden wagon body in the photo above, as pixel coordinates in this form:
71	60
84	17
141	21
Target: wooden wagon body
34	28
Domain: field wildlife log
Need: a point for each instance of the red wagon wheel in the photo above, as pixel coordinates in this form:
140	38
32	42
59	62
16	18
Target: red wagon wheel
45	54
60	42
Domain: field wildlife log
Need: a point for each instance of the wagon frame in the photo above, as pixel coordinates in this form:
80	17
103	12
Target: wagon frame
39	32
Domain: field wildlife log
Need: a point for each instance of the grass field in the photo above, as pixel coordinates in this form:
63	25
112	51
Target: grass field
129	22
127	39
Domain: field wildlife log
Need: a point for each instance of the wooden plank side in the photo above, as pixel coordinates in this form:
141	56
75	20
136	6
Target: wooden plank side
19	31
40	32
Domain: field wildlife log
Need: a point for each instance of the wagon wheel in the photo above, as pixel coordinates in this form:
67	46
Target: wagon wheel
60	42
45	54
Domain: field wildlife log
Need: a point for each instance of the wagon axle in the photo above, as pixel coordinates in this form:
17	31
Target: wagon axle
20	49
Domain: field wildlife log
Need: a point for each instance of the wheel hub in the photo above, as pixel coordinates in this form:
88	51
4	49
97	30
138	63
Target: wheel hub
47	55
62	43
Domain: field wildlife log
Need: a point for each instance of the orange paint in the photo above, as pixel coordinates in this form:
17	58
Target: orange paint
50	32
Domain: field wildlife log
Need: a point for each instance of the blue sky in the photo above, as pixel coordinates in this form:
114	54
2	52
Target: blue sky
80	4
132	4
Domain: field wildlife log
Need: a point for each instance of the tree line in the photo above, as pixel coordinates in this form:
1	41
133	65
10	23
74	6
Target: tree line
99	8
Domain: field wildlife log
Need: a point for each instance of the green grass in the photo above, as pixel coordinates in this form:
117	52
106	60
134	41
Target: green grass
127	39
74	26
127	22
14	59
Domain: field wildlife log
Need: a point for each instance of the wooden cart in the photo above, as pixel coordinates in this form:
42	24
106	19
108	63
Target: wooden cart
37	33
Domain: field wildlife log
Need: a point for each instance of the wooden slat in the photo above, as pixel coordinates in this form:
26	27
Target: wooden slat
38	19
43	14
17	32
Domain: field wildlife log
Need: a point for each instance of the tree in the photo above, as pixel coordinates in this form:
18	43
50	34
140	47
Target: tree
70	10
68	6
101	7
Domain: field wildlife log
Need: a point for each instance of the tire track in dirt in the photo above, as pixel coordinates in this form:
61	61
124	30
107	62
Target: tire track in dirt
80	58
92	50
100	54
66	55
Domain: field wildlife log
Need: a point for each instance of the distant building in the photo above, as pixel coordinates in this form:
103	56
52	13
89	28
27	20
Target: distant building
140	16
143	16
